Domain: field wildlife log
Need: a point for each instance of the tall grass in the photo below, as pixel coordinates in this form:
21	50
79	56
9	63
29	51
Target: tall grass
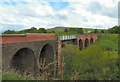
43	74
108	42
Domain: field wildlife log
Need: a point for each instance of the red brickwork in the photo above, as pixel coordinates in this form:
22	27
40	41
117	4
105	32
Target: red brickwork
59	55
27	38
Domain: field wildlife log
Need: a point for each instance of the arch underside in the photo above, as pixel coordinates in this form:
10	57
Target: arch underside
23	60
80	44
46	60
86	43
91	40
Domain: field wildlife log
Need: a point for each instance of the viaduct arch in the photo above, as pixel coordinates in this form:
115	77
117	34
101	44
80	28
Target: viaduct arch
31	50
91	40
24	52
24	60
80	44
46	59
86	44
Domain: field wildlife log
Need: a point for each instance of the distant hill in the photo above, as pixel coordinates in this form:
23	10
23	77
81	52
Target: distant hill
59	28
62	28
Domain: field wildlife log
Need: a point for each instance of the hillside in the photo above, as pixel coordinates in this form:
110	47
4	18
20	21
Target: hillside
61	29
108	42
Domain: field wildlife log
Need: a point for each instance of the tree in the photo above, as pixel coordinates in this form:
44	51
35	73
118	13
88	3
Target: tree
33	30
90	64
41	30
80	31
9	32
95	31
102	31
66	30
115	29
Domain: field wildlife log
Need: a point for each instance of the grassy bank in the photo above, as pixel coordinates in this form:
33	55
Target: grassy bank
108	42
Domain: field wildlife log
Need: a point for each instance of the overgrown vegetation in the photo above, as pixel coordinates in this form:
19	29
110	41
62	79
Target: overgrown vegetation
108	42
14	76
114	30
97	62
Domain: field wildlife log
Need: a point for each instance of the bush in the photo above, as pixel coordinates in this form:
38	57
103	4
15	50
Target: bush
91	63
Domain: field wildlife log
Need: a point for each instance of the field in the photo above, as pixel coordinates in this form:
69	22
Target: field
108	42
61	30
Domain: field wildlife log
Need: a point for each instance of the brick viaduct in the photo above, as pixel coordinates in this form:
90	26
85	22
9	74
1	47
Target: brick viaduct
27	52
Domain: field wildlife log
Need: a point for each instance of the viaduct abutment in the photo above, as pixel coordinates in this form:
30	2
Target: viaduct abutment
29	52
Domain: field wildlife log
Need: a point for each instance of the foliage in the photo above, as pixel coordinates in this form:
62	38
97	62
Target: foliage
66	30
13	76
102	31
115	29
89	63
9	32
67	53
99	61
95	31
41	30
80	31
108	42
31	30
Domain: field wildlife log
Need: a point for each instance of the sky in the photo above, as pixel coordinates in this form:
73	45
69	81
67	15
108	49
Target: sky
24	14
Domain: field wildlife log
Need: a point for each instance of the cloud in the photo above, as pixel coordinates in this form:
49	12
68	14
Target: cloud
20	14
97	8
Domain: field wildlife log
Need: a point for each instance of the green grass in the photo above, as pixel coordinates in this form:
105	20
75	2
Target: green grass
13	76
108	42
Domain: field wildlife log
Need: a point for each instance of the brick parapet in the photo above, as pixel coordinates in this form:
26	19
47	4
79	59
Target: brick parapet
14	38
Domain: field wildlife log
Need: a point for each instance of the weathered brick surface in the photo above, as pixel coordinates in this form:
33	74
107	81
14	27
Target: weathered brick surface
83	37
27	38
59	55
10	49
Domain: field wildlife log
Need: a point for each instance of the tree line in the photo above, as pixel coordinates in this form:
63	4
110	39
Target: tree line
113	30
31	30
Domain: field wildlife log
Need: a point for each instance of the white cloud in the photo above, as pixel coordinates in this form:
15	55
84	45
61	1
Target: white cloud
39	13
104	19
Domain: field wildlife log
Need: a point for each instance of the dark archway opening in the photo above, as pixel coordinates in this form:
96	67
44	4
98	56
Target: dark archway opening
75	41
91	40
46	60
24	61
80	44
86	43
